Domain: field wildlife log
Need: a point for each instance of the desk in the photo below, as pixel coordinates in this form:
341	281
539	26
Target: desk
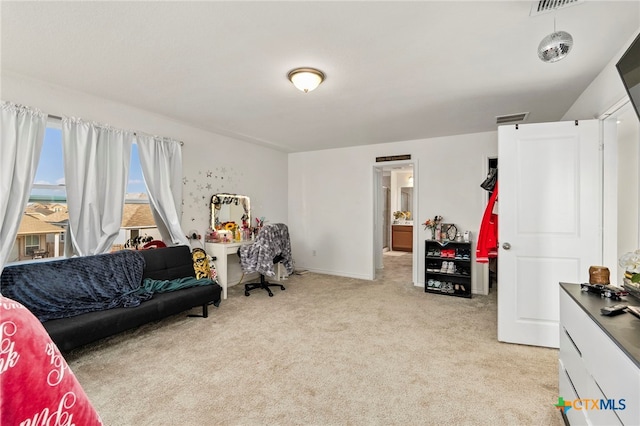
229	271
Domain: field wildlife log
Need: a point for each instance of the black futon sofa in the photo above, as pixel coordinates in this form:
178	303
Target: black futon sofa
83	299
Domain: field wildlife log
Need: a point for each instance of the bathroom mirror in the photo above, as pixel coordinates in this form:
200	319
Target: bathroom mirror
406	199
230	208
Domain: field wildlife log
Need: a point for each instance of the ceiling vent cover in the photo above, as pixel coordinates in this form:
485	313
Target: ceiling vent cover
511	118
544	6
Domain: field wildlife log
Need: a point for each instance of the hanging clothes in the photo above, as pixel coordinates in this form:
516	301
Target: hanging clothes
488	236
490	182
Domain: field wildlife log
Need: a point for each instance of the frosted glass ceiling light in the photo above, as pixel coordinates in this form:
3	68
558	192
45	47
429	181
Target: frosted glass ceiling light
555	46
306	79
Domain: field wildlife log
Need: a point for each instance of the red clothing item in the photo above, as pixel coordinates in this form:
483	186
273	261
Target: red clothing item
488	236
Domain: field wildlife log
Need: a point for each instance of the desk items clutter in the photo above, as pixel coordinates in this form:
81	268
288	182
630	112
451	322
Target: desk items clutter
600	285
445	232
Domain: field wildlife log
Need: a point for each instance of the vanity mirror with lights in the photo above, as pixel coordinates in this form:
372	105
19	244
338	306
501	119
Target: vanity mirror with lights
226	209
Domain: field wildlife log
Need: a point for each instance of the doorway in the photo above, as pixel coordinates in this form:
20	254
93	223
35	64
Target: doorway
395	206
386	215
492	163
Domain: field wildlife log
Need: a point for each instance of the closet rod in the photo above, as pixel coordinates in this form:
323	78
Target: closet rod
55	117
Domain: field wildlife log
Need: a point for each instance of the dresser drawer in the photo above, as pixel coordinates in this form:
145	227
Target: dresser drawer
598	416
566	390
577	323
573	364
616	375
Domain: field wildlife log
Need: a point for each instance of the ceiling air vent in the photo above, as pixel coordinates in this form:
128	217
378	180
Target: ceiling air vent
511	118
544	6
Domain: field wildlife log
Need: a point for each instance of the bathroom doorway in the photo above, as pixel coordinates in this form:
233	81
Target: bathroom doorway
395	233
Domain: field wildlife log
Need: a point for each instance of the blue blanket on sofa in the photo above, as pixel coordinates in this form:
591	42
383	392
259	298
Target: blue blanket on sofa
68	287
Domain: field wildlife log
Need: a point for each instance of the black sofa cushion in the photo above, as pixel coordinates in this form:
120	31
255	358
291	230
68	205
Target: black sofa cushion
69	333
168	263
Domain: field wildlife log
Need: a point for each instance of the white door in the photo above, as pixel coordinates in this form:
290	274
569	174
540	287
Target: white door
549	221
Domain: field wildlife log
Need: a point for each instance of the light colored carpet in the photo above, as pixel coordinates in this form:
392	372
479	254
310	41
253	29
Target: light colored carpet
327	351
395	253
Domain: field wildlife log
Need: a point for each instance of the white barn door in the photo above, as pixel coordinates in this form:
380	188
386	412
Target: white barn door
550	210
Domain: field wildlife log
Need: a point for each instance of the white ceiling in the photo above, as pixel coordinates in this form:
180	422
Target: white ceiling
395	70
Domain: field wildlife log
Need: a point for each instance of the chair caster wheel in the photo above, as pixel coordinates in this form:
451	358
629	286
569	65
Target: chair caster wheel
283	288
246	293
270	294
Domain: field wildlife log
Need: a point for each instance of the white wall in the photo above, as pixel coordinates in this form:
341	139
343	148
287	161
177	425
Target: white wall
628	189
603	99
211	163
331	199
603	92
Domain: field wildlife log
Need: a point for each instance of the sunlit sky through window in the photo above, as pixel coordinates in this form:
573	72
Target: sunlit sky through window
51	166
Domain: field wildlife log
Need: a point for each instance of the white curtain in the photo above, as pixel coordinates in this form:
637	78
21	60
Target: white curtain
21	137
96	166
161	161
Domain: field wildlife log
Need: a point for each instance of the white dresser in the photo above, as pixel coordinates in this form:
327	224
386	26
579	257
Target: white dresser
599	360
228	264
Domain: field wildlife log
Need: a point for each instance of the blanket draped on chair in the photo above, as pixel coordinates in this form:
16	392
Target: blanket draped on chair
272	240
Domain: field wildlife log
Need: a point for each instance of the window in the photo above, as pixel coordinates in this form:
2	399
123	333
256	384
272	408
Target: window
46	211
31	243
48	185
47	206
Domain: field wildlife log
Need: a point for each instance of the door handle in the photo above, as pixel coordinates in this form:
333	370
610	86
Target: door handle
506	246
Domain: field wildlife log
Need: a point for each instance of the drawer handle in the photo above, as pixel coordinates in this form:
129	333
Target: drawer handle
571	383
572	342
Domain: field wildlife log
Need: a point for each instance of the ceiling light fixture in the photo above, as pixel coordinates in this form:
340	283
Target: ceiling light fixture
306	79
555	46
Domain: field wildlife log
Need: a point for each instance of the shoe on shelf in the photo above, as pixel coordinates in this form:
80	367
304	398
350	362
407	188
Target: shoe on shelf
451	269
445	266
436	252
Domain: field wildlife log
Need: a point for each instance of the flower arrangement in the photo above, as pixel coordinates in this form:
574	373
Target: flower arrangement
402	215
432	224
631	264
